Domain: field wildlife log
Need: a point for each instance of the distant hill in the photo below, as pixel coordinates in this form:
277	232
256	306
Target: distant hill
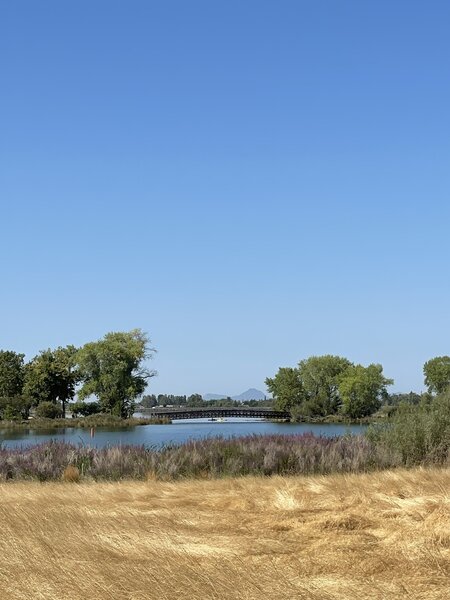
250	394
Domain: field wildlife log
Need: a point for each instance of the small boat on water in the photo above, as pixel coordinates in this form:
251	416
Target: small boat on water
217	420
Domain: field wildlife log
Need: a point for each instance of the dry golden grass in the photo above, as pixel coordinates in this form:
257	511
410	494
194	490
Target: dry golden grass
384	535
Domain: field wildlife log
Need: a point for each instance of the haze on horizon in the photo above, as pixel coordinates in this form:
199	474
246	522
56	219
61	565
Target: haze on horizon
251	183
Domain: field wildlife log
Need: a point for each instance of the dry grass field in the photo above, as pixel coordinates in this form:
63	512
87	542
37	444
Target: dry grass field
382	535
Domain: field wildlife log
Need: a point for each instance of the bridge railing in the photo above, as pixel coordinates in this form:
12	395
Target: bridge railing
166	409
210	412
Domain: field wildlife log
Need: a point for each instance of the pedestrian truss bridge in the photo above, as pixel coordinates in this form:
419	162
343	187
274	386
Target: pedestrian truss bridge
216	413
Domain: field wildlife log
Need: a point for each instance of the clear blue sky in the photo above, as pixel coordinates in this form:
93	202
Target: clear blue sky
251	182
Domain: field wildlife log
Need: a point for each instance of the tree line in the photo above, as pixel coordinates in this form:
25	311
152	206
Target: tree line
197	401
111	369
332	385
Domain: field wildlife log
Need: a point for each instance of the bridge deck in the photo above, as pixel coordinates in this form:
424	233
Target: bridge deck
216	412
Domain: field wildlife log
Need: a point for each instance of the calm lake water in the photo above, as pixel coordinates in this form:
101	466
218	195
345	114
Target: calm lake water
177	432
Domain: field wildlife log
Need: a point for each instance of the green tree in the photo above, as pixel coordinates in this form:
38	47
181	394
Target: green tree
162	400
437	374
149	401
13	408
410	398
112	370
286	388
194	400
320	377
52	376
362	390
11	373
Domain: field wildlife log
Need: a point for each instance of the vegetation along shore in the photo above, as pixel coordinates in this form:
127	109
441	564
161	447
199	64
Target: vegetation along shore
98	420
416	435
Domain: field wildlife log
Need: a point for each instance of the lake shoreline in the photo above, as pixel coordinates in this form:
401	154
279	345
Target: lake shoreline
84	422
159	435
116	422
210	458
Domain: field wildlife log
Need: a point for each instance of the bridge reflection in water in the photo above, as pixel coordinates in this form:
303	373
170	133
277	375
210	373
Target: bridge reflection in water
216	413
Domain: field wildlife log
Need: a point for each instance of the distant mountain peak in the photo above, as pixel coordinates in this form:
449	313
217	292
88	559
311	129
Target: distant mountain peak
250	394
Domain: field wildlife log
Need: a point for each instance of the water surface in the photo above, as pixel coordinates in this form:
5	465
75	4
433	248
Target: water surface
176	433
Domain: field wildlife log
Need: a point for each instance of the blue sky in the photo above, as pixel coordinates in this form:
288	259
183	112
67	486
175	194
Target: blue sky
250	182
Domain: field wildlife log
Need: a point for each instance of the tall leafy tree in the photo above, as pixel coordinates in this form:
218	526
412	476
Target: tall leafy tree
112	369
11	373
326	385
52	376
320	377
149	401
362	390
437	374
67	375
286	388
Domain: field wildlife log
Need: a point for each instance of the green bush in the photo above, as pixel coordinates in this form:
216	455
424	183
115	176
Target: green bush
84	408
420	434
48	410
16	408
